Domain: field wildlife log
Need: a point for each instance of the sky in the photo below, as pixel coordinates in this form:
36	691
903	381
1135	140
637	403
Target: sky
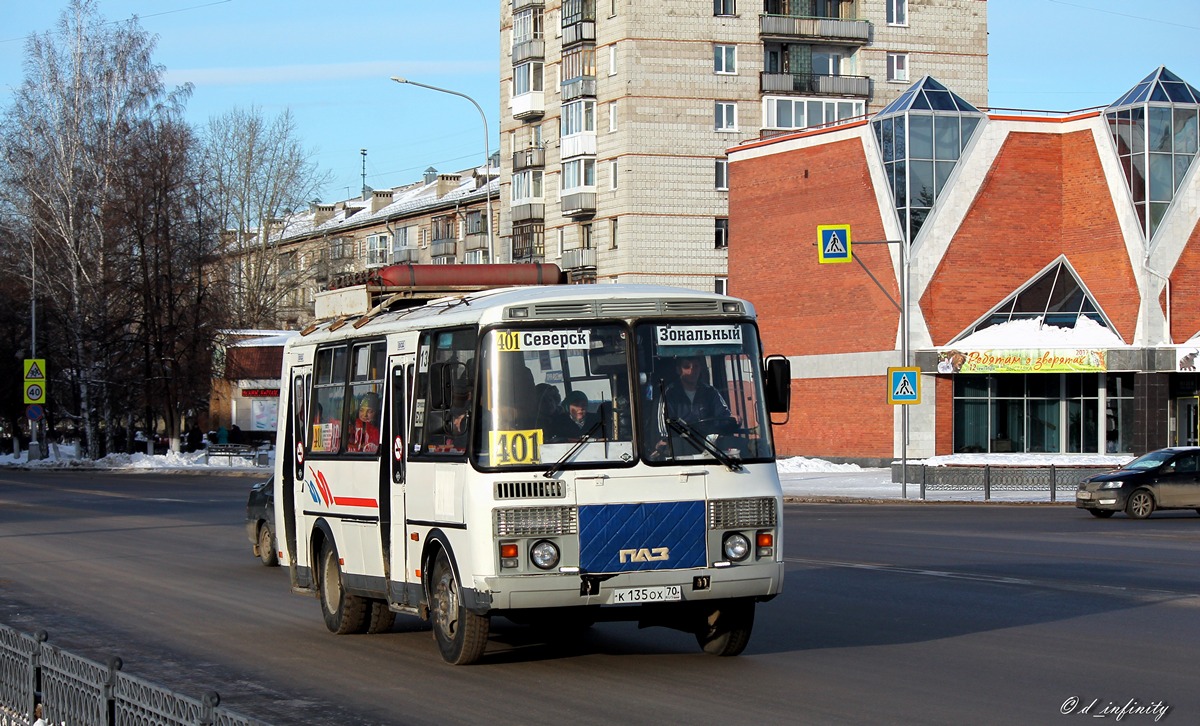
331	64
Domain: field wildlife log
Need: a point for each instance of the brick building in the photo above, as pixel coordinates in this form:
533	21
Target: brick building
1052	266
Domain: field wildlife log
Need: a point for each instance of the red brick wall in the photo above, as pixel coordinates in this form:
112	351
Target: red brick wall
838	417
944	400
1185	292
806	308
1045	196
256	362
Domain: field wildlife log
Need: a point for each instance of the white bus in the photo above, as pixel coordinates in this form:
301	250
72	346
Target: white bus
563	454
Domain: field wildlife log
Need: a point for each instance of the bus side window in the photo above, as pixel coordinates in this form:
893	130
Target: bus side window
445	383
329	389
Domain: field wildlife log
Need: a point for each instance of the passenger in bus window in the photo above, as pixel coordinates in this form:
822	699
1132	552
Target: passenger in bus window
579	420
551	418
364	432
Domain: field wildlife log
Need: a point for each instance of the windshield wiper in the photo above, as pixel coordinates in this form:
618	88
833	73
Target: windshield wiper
587	436
700	441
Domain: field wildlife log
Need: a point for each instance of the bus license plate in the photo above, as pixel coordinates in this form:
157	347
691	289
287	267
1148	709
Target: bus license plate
634	595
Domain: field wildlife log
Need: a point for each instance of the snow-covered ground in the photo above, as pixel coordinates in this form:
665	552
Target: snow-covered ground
801	476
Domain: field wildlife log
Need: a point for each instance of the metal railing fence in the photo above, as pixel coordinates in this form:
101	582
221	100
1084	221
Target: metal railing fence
990	478
74	690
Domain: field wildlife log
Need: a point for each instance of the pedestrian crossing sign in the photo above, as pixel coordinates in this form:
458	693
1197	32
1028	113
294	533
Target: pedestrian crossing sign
904	385
833	243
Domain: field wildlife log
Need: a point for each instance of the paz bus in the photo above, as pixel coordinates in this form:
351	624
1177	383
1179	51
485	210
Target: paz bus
533	453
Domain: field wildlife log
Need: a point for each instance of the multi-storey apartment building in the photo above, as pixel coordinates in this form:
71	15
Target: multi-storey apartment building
442	220
616	114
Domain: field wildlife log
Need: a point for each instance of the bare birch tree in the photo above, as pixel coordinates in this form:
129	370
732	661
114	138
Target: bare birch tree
258	173
88	83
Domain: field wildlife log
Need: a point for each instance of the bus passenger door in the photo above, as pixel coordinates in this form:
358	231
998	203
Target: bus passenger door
395	537
293	465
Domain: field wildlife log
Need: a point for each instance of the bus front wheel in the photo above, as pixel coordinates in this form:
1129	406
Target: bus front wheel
461	635
725	628
344	613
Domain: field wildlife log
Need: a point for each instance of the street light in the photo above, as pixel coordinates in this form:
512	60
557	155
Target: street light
487	154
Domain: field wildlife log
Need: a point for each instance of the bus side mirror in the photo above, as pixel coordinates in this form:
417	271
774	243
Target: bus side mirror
777	380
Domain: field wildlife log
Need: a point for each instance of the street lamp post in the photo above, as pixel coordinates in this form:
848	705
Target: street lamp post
487	154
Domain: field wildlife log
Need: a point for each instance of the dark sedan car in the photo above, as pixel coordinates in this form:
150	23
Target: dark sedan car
260	521
1162	479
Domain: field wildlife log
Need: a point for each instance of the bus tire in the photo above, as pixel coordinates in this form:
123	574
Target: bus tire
344	613
725	628
461	635
382	617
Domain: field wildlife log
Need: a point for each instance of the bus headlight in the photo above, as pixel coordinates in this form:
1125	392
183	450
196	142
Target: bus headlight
736	546
544	555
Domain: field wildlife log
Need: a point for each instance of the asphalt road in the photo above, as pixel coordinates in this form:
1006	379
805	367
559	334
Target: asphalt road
898	613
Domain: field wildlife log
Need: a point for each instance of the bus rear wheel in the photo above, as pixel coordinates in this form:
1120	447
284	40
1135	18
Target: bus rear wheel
725	628
344	613
461	635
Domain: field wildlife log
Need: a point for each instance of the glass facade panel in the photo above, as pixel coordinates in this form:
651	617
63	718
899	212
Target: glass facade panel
920	137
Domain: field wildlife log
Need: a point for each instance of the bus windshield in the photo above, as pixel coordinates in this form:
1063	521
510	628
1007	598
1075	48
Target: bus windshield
553	397
700	393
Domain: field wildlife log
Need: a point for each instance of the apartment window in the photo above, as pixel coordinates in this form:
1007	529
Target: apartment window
726	116
577	11
339	250
722	181
527	26
612	235
612	116
526	186
721	285
725	59
529	241
443	227
797	112
897	12
579	62
724	7
475	257
826	63
578	117
897	67
612	59
405	237
578	173
476	222
612	174
722	232
377	249
527	78
585	235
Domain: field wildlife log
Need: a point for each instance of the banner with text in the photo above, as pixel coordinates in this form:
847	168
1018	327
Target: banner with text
1029	360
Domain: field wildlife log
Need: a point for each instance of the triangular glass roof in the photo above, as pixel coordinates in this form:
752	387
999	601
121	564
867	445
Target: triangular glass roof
1055	295
1161	86
1155	128
927	95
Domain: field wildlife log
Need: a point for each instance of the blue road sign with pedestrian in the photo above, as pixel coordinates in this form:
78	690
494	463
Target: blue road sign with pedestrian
833	243
904	385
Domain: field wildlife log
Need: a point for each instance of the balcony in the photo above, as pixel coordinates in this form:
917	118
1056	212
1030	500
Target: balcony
579	204
529	50
579	258
404	255
528	212
584	30
475	242
444	248
812	84
522	4
581	87
532	158
529	105
826	30
583	144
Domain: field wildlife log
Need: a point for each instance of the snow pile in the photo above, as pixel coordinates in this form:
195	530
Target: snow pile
1031	333
800	464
